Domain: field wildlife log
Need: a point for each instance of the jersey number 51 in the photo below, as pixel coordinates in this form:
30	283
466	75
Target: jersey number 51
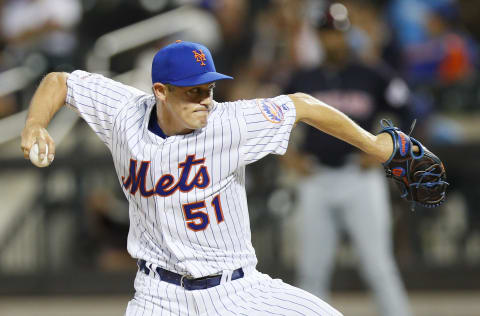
198	220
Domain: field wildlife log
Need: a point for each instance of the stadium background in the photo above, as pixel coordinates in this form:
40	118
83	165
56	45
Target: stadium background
63	229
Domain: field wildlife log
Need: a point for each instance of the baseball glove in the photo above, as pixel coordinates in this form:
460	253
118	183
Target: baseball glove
420	175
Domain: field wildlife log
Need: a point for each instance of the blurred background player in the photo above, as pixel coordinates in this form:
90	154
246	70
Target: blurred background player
341	189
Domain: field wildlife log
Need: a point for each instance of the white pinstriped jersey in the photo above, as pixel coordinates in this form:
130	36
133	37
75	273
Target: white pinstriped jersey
187	200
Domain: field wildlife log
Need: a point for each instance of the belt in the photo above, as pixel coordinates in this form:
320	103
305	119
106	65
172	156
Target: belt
187	282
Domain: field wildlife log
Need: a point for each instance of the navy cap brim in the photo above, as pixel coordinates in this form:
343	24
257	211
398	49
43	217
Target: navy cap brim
200	79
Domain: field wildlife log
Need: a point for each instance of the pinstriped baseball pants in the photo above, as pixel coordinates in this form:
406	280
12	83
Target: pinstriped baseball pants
253	295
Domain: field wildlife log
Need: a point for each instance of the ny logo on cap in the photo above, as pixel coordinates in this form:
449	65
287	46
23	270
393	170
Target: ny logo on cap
199	57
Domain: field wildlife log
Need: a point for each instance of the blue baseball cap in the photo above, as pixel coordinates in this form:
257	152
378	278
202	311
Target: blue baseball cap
184	64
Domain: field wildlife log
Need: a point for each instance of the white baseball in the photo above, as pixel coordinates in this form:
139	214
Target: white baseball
35	159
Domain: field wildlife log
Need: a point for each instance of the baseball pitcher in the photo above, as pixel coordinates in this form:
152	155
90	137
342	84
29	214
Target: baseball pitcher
180	159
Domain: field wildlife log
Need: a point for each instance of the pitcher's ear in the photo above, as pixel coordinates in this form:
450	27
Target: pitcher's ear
160	90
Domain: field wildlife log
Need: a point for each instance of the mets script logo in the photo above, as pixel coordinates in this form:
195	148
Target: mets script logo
199	57
271	111
167	184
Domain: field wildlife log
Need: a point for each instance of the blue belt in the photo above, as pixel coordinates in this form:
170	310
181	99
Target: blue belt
186	282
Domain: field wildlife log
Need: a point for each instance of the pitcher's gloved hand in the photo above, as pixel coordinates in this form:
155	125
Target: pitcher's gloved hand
420	175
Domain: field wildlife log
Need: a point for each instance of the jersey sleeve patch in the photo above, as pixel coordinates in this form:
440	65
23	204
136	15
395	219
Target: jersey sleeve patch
271	111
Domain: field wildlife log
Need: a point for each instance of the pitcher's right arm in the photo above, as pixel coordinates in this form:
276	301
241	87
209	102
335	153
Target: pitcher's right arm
49	97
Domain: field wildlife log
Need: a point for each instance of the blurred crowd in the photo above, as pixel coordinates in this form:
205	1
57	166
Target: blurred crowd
430	45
